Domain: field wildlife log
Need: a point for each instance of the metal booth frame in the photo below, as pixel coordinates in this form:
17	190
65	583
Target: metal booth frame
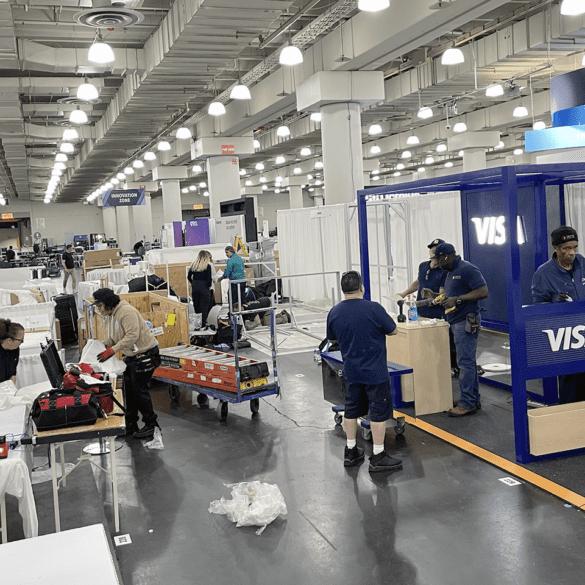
525	322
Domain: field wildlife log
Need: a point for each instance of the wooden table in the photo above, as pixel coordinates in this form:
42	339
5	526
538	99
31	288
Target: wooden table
108	428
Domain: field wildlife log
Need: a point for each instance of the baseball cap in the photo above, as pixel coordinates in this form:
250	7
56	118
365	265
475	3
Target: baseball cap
101	294
563	234
435	242
444	248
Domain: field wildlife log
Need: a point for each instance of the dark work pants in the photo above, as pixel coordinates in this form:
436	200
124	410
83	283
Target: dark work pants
137	394
202	299
234	287
571	388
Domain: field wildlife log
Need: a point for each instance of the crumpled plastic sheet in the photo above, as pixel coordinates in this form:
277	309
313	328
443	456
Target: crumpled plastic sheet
89	356
253	504
157	442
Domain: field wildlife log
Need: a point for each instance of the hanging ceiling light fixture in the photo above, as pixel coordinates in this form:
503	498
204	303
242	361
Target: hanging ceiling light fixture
242	172
448	165
572	7
494	90
283	131
138	164
216	109
56	173
520	112
316	117
263	179
400	167
540	125
421	169
67	148
429	160
248	183
259	166
318	165
375	129
499	145
412	140
240	91
59	165
452	56
441	147
60	157
87	91
406	154
518	151
100	52
305	151
205	193
109	185
163	145
297	171
197	169
203	184
183	133
70	134
192	188
460	127
280	160
396	174
128	171
121	176
290	55
114	181
373	5
78	116
425	112
149	155
375	149
256	143
185	190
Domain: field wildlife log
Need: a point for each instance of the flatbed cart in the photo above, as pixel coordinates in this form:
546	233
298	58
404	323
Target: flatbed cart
334	390
225	397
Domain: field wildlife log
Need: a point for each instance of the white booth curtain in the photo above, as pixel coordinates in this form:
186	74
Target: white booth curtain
574	207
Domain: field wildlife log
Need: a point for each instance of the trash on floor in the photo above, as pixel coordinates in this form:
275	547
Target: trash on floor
253	504
157	442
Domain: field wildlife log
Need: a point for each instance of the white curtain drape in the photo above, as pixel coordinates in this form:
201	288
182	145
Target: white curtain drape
575	207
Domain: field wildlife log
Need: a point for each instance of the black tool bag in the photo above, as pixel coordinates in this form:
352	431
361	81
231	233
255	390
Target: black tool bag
61	409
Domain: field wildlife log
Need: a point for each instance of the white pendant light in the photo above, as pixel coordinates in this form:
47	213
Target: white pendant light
87	91
375	149
518	151
259	166
128	171
216	109
425	112
318	182
78	116
203	184
297	171
373	5
460	127
263	179
149	155
406	154
184	133
121	176
114	181
290	55
248	183
540	125
305	151
109	185
309	177
192	188
520	112
375	129
375	172
494	90
429	160
163	145
67	148
397	174
448	165
499	145
138	164
205	193
441	147
572	7
242	172
318	165
421	169
56	173
412	140
452	56
185	190
59	165
277	190
280	160
264	187
256	143
197	169
60	157
400	167
100	52
70	134
283	131
240	92
460	153
316	117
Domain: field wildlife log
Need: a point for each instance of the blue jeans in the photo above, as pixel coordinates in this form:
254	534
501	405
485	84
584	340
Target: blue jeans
466	344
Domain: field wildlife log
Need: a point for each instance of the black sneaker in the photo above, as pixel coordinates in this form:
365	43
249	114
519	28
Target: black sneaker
383	462
130	430
353	456
147	432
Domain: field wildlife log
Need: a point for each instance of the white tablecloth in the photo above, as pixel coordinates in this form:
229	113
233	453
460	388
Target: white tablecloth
45	284
115	275
86	288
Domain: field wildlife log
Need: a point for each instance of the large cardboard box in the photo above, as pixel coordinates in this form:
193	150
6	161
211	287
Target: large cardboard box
556	428
93	259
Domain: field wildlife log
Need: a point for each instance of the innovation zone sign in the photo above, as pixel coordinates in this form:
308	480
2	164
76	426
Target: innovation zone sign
119	197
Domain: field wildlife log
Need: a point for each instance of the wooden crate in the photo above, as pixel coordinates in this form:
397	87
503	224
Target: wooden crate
95	259
556	428
156	308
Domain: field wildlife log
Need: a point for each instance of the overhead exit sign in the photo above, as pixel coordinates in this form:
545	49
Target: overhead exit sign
7	216
228	149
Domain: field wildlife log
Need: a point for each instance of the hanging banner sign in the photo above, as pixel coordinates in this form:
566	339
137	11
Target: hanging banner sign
119	197
7	216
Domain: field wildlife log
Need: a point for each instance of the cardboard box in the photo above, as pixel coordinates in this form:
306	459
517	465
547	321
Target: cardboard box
556	428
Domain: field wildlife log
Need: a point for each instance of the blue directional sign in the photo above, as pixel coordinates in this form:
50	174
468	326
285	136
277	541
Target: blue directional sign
119	197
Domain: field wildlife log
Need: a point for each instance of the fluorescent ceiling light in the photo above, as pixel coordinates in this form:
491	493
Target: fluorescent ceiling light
101	52
305	151
406	154
128	171
78	116
448	165
400	166
373	5
318	165
425	112
67	147
429	160
60	157
297	171
494	90
412	140
316	117
572	7
138	164
121	176
256	143
283	131
441	147
70	134
460	127
375	129
197	169
259	166
452	56
290	55
240	92
242	172
149	155
87	91
183	133
280	160
216	109
163	145
520	112
540	125
518	151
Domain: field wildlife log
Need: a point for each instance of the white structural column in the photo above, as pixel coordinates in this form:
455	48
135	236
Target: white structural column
339	97
142	214
295	191
110	225
171	190
124	233
474	145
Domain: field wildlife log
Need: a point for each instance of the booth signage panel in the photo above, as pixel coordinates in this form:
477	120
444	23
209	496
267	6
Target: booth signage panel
555	340
178	233
123	197
228	149
197	232
7	216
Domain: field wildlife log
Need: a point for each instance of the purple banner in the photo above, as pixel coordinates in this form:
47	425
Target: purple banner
197	232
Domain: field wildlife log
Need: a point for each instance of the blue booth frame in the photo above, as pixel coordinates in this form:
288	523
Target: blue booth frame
507	179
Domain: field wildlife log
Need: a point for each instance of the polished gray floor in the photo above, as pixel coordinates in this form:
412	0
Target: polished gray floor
444	519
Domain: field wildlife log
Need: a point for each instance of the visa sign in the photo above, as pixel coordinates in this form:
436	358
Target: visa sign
567	337
492	230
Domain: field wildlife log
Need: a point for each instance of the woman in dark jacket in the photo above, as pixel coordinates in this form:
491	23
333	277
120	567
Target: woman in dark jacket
11	338
202	277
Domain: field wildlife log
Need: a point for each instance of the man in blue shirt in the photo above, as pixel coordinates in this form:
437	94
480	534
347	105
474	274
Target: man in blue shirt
465	286
360	328
234	270
559	280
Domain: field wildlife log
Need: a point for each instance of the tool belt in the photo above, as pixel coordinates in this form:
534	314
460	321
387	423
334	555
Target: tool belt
147	361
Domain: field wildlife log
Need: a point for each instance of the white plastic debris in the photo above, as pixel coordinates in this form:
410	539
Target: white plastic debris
157	442
253	504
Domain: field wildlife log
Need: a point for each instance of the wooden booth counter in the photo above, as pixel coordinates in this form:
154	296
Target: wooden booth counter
423	346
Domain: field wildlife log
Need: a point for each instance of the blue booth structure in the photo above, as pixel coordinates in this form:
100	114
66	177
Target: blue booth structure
544	339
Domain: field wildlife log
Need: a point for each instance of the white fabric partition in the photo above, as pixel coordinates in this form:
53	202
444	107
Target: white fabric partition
185	254
574	207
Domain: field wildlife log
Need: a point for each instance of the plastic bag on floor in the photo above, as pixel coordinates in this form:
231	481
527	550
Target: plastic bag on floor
157	442
253	504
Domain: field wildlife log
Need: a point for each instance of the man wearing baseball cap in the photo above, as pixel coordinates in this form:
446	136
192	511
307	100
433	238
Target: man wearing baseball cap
465	286
559	280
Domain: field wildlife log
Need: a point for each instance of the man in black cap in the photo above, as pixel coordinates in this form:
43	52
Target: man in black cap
465	286
559	280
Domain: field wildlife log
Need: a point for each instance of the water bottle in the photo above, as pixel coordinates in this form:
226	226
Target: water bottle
413	311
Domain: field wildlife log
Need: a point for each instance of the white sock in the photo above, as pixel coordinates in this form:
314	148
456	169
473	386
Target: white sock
351	444
378	449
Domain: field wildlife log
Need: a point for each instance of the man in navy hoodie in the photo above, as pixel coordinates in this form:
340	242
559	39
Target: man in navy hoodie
560	280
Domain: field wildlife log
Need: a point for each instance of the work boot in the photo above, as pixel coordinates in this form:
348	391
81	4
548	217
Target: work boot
477	404
383	462
146	432
353	456
253	324
461	411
